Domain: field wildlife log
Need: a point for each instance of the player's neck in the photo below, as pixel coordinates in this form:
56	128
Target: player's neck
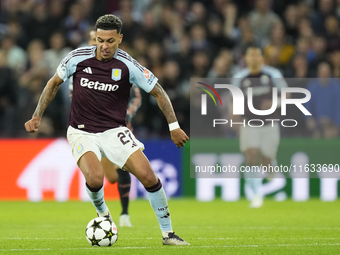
255	70
98	57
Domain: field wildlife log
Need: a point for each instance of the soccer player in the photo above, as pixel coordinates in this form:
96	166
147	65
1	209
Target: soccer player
112	172
102	78
258	144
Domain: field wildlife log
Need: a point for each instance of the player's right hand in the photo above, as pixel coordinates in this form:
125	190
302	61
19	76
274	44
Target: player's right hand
33	124
179	137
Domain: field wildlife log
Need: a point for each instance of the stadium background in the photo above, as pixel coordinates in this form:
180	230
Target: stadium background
177	40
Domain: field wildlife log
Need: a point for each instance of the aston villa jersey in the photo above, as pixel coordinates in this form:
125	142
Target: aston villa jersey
101	90
262	84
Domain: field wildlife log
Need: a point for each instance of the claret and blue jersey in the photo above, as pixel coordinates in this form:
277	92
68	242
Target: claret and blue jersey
262	84
101	90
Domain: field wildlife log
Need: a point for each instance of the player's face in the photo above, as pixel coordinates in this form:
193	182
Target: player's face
107	43
254	58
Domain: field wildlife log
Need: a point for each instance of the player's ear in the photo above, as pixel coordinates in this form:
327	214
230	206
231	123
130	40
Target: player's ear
120	38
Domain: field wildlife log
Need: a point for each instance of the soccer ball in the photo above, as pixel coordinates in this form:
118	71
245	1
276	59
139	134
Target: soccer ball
101	231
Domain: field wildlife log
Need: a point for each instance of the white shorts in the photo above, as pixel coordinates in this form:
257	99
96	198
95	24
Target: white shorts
116	144
266	138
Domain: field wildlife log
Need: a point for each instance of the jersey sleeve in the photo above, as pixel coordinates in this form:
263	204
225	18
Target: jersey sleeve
138	74
277	77
144	79
66	67
236	79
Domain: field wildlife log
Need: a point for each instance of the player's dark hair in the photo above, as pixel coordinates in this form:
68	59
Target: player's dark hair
109	22
254	47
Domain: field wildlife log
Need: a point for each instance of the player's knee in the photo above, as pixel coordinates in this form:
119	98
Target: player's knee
95	180
250	157
250	162
148	179
155	187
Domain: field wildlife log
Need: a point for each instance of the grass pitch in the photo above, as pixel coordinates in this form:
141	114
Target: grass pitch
217	227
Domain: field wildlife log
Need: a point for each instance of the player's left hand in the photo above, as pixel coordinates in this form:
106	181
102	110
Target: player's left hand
179	137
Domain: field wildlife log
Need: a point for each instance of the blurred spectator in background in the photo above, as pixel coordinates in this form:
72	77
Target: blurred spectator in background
131	27
56	52
37	64
302	46
183	56
337	8
298	68
53	56
151	29
324	104
76	25
181	38
262	19
305	29
304	9
278	52
332	33
291	21
39	25
16	31
139	47
155	55
28	98
316	54
222	66
335	61
15	56
198	13
217	36
200	64
199	40
244	38
8	98
325	8
56	15
297	74
15	9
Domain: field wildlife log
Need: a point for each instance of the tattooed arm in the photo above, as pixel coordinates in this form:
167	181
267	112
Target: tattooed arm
178	136
46	97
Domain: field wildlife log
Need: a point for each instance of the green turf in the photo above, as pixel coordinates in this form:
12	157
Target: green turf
212	228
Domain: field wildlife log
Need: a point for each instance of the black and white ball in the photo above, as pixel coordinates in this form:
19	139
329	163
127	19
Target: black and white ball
101	232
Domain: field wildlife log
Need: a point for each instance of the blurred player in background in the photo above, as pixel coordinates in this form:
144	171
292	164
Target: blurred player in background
102	78
112	172
258	144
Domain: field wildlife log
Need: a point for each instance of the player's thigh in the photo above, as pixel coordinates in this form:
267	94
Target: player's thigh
82	142
118	144
270	141
86	152
110	170
249	138
139	166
